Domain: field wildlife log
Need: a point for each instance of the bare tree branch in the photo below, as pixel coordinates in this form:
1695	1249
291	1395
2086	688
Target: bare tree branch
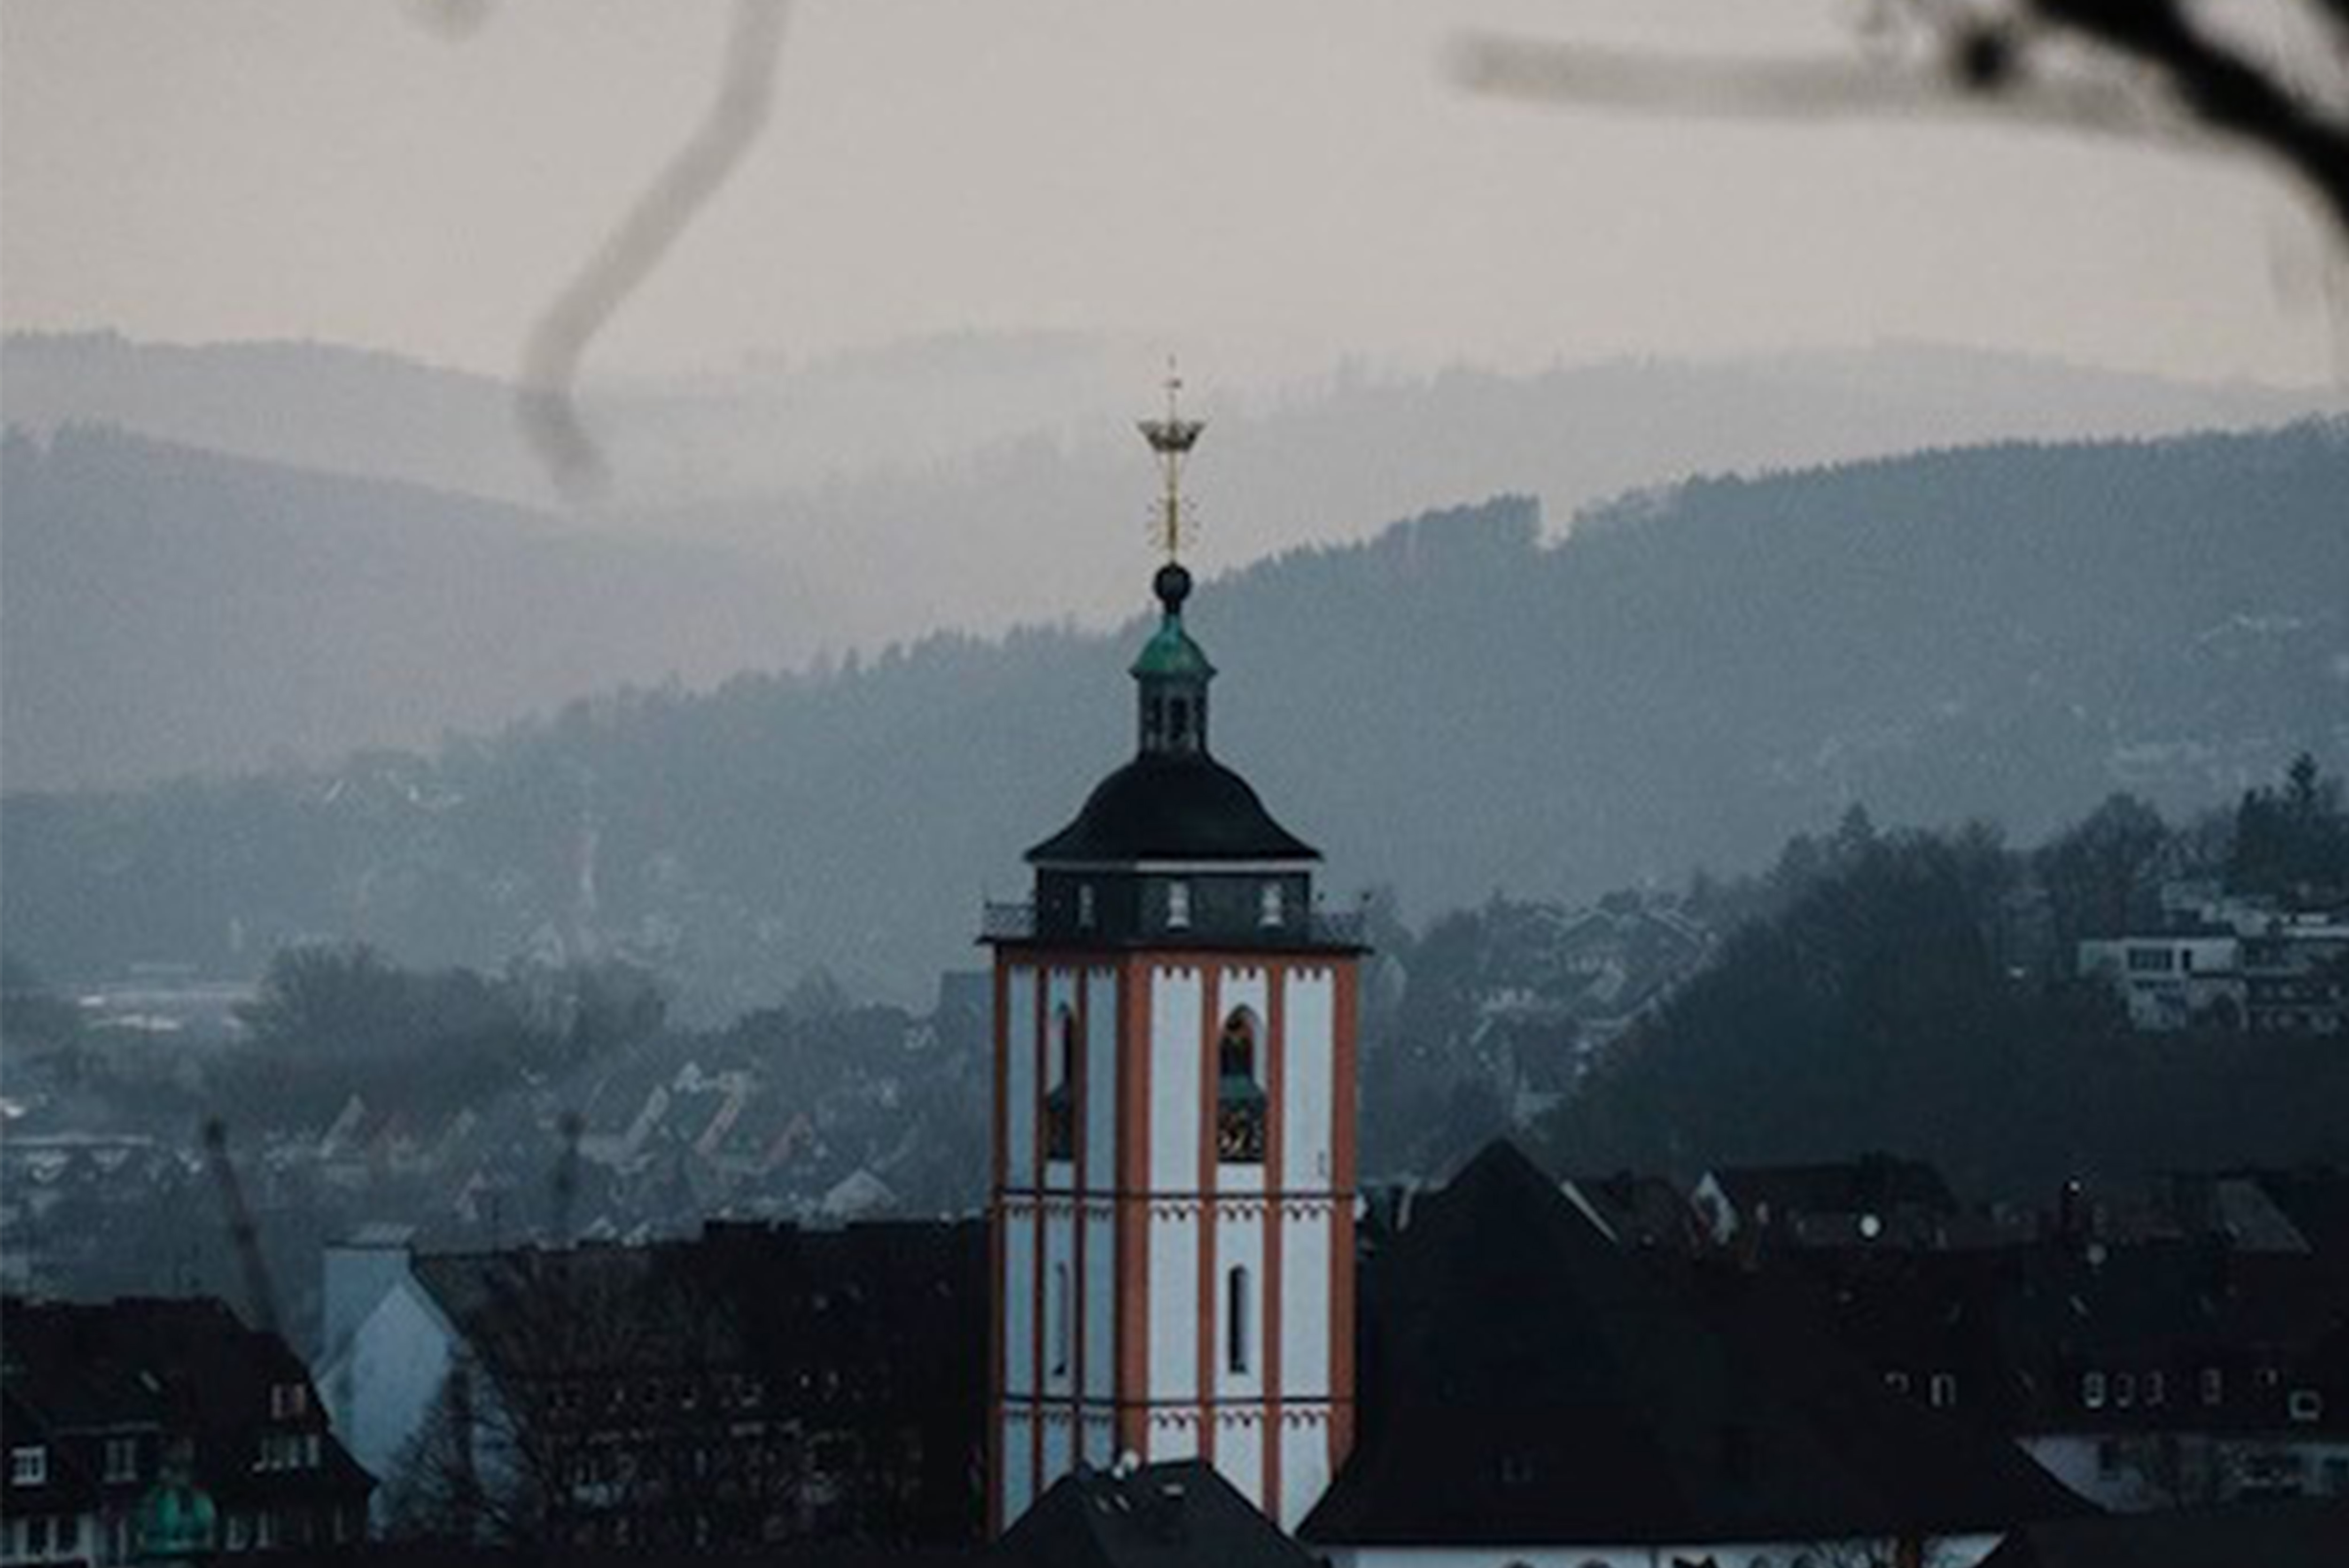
2165	75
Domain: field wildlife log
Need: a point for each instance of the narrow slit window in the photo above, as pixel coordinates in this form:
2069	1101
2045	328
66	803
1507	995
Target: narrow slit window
1061	1315
1178	905
1060	1102
1271	907
1236	1318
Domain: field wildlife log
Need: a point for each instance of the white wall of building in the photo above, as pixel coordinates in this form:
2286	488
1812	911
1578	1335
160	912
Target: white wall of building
1019	1092
1175	1043
1101	1079
1309	1024
1175	1300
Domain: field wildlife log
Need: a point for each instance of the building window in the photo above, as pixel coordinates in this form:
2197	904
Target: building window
2214	1386
2092	1390
1239	1099
1236	1321
2306	1404
1061	1103
287	1400
1944	1390
1271	908
28	1466
1060	1320
1178	723
1086	913
2155	1390
2123	1390
1897	1381
1178	906
123	1458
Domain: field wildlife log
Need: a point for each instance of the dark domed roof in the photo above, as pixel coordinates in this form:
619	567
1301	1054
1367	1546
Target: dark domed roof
1173	808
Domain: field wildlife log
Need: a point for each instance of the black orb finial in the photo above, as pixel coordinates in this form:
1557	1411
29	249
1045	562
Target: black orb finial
1173	585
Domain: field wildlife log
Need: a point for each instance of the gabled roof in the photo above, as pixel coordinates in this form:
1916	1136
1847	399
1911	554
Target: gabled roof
1523	1382
1178	1515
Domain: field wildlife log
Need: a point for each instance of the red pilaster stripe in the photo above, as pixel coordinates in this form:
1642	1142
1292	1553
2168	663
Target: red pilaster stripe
1276	1186
1131	1382
1040	1303
1080	1316
1000	1137
1341	1219
1210	1026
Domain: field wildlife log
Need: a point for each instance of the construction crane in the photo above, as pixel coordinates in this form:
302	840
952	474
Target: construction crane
259	1296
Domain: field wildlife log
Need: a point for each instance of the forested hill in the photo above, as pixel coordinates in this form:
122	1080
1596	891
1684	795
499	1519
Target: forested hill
165	609
2009	632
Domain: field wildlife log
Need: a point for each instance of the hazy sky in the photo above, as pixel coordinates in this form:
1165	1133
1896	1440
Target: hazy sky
1280	180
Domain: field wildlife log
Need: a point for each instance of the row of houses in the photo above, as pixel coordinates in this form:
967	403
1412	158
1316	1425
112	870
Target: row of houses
1791	1364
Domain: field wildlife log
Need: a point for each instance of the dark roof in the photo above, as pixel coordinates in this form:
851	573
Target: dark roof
1179	1515
907	1295
1524	1382
2294	1532
1871	1183
183	1367
1172	807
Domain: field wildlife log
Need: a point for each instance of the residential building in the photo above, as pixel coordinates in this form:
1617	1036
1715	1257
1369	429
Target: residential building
142	1428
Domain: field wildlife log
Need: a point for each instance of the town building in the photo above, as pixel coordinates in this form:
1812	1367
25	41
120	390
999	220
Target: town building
1174	1158
755	1386
142	1429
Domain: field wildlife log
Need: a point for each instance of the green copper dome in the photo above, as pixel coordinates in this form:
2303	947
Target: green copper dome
1171	653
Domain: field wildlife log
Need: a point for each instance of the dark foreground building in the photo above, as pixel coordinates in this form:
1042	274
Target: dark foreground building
141	1430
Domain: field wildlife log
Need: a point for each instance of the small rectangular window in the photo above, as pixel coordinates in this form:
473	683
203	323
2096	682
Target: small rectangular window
2155	1390
1085	910
1236	1321
1061	1325
123	1458
28	1466
1271	906
1944	1390
2214	1386
2092	1390
1178	905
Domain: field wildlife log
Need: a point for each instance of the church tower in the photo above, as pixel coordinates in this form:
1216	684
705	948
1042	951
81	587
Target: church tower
1174	1056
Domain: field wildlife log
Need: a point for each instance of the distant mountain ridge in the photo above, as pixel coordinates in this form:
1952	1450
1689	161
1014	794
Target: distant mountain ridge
166	610
1454	707
979	481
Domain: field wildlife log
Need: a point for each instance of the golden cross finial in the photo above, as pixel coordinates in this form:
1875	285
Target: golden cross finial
1172	439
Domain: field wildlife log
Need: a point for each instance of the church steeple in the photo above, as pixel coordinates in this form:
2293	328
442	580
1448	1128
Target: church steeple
1174	1071
1171	675
1172	671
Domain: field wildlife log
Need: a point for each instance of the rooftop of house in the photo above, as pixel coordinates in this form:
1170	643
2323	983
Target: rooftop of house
1873	1183
1526	1381
178	1367
906	1296
1173	1515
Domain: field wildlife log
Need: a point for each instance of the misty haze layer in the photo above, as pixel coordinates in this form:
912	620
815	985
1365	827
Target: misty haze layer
2009	632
